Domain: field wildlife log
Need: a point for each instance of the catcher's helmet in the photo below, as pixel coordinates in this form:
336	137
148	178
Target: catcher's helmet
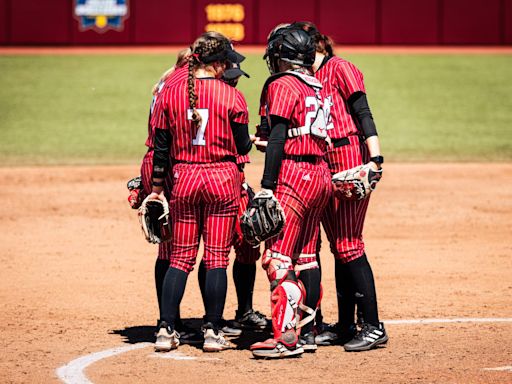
292	45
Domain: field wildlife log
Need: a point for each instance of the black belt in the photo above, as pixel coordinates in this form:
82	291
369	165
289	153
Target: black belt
231	159
336	143
304	158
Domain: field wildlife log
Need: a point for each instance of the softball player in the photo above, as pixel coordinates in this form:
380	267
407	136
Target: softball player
298	177
244	266
354	142
175	73
203	125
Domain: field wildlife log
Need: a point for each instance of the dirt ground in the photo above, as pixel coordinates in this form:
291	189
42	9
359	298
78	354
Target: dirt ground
77	278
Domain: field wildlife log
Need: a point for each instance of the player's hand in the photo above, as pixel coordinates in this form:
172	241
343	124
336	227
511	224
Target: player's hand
261	145
158	196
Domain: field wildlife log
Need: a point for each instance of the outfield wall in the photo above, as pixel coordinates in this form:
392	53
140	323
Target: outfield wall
430	22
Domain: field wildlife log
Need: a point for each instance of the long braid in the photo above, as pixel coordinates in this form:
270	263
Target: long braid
192	97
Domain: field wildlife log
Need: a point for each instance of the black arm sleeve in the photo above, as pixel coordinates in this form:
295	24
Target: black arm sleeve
264	128
275	151
360	110
241	135
161	156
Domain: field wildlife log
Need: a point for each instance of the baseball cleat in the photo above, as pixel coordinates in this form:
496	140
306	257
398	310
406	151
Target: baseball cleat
166	338
229	329
367	338
215	341
308	342
251	320
274	349
334	334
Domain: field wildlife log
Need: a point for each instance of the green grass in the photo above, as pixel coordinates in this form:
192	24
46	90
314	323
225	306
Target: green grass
93	109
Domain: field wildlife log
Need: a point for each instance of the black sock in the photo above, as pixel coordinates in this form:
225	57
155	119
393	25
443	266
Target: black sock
345	294
161	267
173	290
364	286
215	292
311	280
244	276
201	277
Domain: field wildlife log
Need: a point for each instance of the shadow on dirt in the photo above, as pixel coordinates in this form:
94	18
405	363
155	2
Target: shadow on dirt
146	334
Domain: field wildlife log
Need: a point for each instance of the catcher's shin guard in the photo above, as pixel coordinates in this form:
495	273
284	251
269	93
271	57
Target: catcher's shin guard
285	299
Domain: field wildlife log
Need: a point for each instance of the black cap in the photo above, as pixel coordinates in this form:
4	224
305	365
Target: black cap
227	53
234	72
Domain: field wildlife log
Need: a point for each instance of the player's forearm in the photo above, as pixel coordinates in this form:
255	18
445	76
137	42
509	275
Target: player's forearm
373	145
360	110
242	139
160	159
275	152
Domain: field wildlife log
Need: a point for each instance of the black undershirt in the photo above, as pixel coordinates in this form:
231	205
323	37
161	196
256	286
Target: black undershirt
275	151
360	111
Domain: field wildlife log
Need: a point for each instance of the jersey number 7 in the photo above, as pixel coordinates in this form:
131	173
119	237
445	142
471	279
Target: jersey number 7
205	115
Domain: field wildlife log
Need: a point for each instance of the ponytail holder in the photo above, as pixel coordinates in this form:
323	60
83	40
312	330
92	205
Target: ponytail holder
196	56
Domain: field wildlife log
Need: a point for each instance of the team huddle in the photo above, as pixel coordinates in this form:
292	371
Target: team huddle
322	160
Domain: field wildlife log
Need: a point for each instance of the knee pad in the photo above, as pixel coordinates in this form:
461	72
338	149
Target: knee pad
305	261
285	299
276	265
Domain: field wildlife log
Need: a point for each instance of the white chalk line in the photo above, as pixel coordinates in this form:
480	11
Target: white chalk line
505	368
73	372
456	320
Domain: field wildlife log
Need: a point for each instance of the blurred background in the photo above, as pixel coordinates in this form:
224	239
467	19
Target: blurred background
249	21
76	76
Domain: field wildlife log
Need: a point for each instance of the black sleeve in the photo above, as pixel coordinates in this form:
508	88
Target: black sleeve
275	151
361	113
264	128
161	155
241	135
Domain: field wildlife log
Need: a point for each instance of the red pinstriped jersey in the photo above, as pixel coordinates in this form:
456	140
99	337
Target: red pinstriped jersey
340	79
217	103
178	75
293	99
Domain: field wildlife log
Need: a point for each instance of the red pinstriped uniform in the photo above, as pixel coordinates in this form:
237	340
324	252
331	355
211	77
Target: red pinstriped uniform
244	252
146	168
206	188
343	220
287	97
303	188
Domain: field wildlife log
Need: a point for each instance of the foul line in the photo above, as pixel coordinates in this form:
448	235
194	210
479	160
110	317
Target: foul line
73	372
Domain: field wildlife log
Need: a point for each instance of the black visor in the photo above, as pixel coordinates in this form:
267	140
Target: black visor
228	53
233	73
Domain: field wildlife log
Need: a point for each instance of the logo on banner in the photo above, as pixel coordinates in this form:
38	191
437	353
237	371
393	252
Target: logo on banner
101	15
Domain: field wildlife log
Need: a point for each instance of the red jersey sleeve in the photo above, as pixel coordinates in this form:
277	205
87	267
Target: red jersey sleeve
349	79
240	112
159	113
281	100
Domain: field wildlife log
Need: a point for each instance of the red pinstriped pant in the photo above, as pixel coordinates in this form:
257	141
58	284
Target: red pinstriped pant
303	189
204	200
245	253
343	220
146	170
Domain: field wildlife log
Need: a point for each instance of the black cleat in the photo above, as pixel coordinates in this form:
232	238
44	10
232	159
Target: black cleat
334	334
250	320
367	338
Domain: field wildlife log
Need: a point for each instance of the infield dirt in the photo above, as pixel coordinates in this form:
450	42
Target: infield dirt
77	277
